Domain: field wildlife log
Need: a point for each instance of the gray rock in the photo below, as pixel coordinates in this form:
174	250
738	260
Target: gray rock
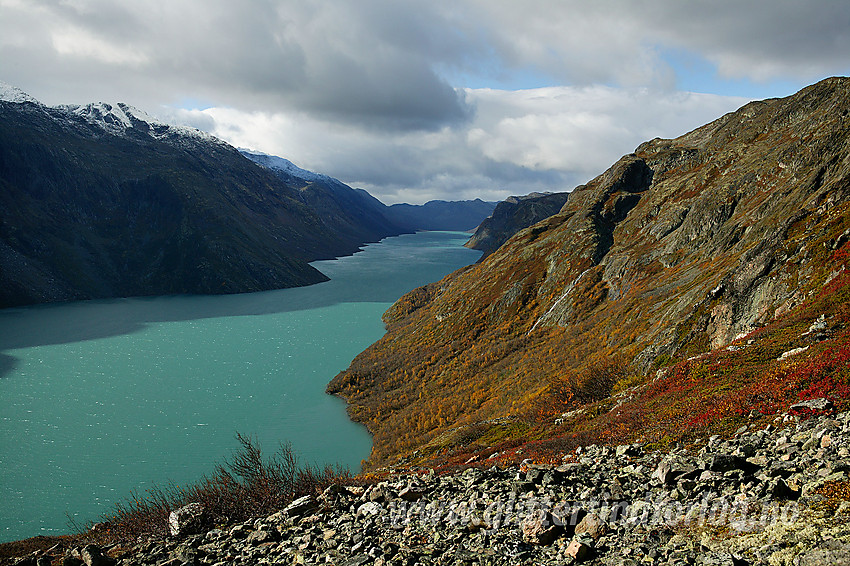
262	536
823	557
93	556
301	506
820	404
728	462
716	559
239	532
778	489
368	509
189	519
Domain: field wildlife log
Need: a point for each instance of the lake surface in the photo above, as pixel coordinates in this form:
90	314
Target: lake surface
100	398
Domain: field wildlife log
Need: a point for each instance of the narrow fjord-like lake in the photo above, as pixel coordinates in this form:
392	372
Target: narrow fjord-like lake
100	398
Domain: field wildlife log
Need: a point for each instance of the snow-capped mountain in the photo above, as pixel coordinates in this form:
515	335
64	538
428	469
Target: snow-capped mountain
102	200
9	93
113	118
286	167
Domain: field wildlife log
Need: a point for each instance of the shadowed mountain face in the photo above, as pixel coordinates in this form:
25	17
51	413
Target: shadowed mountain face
101	201
356	211
352	213
512	215
441	215
677	248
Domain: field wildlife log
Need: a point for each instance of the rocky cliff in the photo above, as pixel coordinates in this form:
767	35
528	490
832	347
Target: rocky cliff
679	248
512	215
103	201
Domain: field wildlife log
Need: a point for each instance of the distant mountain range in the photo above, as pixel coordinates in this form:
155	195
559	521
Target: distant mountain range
101	200
441	215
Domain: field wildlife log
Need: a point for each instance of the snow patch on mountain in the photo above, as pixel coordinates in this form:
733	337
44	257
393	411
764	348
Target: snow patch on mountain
116	119
286	166
9	93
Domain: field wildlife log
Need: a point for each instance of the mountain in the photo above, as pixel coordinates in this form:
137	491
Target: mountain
352	213
512	215
703	279
101	200
355	209
441	215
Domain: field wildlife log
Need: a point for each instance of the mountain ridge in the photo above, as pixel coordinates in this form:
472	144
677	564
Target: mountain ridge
512	215
101	200
683	246
98	202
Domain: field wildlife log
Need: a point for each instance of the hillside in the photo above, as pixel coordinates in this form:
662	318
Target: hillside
355	211
730	240
352	213
103	201
725	502
440	214
512	215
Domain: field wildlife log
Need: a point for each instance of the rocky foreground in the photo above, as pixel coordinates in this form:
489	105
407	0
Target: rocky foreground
771	496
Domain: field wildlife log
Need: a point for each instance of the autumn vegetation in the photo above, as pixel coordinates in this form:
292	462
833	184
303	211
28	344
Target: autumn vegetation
623	309
248	484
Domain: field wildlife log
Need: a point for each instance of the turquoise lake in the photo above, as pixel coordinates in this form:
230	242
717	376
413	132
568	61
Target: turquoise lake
102	398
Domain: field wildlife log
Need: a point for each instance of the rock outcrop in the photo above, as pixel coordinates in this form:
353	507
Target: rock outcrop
777	495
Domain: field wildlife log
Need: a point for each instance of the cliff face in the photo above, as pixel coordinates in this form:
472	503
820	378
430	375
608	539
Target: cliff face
677	248
97	201
512	215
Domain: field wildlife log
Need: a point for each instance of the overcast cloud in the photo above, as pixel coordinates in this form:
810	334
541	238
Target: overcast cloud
415	100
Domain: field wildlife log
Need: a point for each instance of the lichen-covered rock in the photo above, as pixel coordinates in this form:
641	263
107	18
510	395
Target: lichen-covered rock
189	519
604	508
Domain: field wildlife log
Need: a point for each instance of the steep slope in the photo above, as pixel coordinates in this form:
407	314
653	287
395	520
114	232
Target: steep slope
352	213
361	214
441	215
102	201
512	215
678	248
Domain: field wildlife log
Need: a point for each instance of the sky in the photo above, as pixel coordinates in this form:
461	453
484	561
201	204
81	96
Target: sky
416	100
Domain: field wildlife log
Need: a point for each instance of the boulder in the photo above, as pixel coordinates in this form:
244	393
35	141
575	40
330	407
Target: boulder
188	520
591	525
369	509
301	506
262	536
539	530
820	404
578	550
93	556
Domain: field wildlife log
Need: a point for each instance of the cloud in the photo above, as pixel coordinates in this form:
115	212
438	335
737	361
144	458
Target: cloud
517	142
623	42
374	91
370	62
383	63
